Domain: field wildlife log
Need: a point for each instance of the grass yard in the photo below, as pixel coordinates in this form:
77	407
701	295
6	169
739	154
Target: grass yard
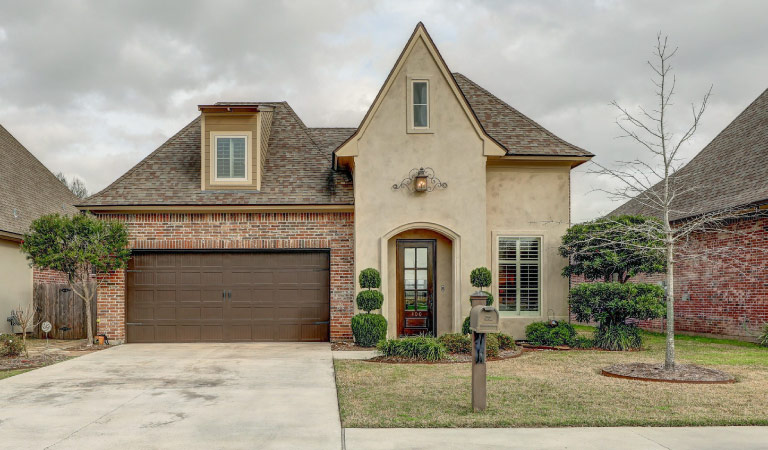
552	388
10	373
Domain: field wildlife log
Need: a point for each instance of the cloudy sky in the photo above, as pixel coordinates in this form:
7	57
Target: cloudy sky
92	87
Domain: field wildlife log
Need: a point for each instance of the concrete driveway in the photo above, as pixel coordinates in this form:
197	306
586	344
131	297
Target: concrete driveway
143	396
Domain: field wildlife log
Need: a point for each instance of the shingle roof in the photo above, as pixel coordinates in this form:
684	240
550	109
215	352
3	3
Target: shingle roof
731	171
518	134
27	187
297	171
298	164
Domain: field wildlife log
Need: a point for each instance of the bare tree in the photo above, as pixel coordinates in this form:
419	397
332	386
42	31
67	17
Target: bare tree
654	185
25	317
77	186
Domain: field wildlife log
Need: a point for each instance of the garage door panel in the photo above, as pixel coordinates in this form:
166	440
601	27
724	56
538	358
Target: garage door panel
177	297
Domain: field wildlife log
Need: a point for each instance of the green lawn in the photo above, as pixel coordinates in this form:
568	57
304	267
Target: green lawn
543	389
10	373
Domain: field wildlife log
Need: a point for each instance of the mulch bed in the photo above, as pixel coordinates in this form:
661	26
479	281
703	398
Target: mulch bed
683	373
349	347
31	362
453	358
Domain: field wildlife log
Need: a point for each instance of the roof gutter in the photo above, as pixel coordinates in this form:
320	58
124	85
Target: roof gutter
217	208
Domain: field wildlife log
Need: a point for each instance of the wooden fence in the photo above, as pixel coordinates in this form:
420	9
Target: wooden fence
57	304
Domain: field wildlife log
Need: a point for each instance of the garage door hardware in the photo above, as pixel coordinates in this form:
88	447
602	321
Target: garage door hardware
226	295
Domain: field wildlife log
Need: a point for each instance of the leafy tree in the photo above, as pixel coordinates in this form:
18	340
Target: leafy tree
620	246
80	246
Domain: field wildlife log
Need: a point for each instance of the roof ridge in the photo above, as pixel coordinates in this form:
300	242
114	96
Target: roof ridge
143	161
523	116
304	128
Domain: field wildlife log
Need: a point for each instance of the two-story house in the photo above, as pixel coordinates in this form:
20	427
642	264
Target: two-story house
248	225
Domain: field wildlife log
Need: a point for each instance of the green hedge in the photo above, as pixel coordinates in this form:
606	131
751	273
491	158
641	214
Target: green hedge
613	303
369	329
491	345
11	345
419	347
542	333
456	342
506	342
369	300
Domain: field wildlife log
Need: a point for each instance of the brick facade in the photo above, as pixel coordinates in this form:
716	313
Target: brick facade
148	231
721	282
46	276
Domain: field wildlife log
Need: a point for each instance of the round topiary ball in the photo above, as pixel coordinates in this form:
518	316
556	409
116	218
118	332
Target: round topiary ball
369	300
370	278
480	277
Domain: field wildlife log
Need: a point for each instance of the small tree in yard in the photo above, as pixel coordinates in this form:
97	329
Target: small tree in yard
480	278
25	317
79	246
654	183
368	329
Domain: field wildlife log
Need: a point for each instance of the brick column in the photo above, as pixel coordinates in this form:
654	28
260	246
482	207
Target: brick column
110	306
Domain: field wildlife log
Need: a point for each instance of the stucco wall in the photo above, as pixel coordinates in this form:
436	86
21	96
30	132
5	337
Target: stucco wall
15	281
531	200
386	154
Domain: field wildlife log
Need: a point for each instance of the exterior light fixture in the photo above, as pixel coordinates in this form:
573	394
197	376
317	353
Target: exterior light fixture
422	179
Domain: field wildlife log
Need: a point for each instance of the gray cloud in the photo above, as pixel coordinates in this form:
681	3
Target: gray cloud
91	87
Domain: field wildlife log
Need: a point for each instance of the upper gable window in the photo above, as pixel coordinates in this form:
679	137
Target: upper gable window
420	98
231	157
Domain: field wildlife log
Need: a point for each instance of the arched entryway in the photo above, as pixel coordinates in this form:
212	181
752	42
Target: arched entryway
419	280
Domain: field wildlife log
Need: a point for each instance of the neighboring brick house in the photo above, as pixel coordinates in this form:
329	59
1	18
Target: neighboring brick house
27	191
249	225
724	290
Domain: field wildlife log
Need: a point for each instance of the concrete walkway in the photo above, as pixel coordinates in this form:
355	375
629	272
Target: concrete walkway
629	438
190	396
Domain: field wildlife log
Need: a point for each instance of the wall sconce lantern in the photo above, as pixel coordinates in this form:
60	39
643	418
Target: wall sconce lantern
421	180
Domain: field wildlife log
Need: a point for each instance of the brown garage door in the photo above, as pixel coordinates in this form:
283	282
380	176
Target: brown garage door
228	296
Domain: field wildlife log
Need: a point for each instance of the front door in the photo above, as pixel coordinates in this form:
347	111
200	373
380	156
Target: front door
415	287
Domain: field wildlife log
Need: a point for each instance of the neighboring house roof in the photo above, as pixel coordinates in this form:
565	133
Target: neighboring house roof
297	171
731	171
28	189
518	134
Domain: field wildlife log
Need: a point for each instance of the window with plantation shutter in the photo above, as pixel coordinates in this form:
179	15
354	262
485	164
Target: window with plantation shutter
231	157
519	274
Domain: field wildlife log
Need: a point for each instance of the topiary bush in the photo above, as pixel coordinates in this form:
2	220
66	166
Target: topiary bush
456	343
424	348
618	337
611	304
369	300
369	329
465	326
763	339
370	278
481	278
544	333
10	345
506	342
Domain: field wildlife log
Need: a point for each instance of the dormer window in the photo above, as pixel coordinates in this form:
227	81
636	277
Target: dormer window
420	104
231	157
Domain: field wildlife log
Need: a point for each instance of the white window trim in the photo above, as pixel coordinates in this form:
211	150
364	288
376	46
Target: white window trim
248	135
410	128
495	235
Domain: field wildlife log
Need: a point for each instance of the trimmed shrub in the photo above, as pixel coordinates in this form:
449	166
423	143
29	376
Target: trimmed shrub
506	342
480	277
370	278
369	329
763	339
369	300
456	343
465	326
543	333
491	345
583	342
11	345
618	337
424	348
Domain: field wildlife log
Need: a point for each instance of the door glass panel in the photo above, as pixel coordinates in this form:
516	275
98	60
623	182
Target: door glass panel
421	258
410	279
410	300
410	258
421	300
421	279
